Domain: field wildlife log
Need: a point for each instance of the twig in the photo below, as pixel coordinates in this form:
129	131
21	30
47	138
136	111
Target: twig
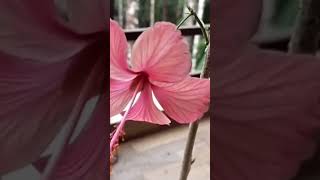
193	128
205	74
187	157
305	37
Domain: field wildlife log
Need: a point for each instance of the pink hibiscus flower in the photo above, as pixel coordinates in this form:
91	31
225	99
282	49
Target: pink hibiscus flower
160	65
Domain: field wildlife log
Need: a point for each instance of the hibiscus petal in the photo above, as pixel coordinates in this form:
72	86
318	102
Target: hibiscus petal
42	72
228	41
86	157
118	55
121	92
266	114
30	34
162	52
76	15
33	113
145	109
186	101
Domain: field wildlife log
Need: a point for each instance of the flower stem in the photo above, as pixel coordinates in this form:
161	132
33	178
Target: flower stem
193	128
187	157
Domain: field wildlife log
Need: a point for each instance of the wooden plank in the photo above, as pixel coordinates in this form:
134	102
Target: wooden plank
133	34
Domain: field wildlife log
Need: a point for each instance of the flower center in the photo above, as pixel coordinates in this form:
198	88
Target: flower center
144	76
142	79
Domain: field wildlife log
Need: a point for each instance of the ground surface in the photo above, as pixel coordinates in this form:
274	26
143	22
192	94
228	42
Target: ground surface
158	156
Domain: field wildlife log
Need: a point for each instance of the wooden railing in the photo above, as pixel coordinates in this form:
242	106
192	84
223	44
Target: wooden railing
132	34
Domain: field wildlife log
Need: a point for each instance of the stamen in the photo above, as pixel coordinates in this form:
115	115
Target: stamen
114	143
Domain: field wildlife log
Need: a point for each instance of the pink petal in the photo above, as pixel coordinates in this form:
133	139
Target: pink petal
245	13
121	92
162	53
43	67
145	109
186	101
266	114
81	13
266	103
86	157
118	53
36	35
34	105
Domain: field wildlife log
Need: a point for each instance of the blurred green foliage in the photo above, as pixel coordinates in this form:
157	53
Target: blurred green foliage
284	13
277	22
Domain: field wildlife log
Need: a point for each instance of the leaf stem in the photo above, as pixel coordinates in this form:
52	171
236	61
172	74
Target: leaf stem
201	24
199	21
184	20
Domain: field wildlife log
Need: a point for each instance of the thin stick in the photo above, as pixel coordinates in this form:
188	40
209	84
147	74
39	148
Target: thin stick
187	157
193	128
